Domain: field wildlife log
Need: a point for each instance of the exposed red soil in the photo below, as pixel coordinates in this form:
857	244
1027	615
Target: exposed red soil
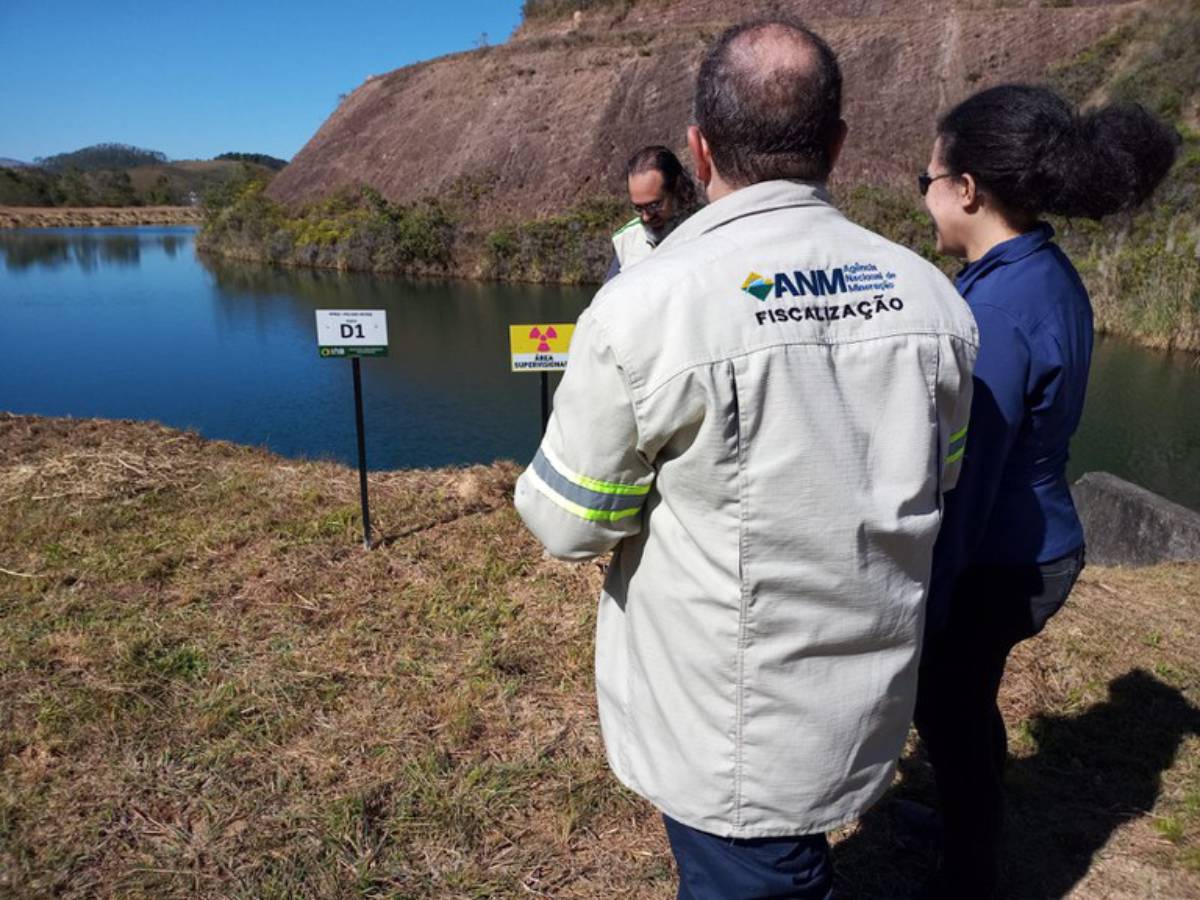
533	126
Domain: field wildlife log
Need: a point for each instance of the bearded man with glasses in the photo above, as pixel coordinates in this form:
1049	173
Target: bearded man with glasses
663	195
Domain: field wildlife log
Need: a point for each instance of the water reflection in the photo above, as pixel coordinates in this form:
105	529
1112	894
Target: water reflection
87	249
144	329
1142	420
449	335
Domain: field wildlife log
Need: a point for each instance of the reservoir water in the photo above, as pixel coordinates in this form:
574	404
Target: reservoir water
131	323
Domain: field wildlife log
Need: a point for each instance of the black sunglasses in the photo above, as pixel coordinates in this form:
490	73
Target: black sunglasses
924	180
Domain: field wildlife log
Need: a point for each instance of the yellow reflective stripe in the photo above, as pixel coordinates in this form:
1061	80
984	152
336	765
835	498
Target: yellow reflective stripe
956	453
608	487
594	484
591	515
636	220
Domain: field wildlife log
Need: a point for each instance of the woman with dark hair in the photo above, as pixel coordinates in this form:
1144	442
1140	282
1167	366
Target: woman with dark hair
1011	544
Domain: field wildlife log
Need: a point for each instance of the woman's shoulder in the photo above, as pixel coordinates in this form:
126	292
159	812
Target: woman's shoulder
1032	290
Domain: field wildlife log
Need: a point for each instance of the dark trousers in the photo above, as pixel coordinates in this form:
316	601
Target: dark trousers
717	868
993	608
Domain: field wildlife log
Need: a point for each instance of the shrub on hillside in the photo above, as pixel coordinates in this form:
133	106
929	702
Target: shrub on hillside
897	215
573	248
274	163
356	230
25	187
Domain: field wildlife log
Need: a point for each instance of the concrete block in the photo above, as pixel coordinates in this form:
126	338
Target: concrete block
1127	525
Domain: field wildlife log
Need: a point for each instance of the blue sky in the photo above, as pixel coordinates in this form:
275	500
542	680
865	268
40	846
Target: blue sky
202	78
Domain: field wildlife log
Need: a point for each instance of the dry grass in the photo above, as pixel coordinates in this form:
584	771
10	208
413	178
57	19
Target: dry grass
1103	712
93	216
207	688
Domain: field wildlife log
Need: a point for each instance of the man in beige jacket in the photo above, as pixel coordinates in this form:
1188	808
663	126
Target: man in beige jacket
761	419
663	194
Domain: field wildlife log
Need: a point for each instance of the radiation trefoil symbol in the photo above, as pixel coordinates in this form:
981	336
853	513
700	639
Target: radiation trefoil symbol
543	337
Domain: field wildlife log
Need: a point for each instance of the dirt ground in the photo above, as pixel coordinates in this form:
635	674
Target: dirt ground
209	689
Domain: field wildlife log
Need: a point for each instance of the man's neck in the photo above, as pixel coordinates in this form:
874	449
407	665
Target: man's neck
718	187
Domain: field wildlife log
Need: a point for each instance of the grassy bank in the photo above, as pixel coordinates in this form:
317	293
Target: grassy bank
96	216
207	688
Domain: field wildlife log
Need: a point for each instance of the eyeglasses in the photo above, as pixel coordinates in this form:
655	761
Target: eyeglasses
924	180
653	208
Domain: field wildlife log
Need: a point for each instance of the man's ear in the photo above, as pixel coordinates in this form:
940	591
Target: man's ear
838	142
968	192
701	155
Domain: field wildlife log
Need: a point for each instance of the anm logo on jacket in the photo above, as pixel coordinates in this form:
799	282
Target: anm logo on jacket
757	286
820	282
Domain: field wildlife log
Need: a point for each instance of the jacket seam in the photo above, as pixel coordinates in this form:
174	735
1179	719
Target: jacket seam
938	452
634	402
759	212
708	361
743	611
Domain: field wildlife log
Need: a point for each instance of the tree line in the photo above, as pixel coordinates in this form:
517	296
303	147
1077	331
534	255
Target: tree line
124	175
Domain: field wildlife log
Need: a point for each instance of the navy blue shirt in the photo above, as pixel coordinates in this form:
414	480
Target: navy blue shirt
1012	505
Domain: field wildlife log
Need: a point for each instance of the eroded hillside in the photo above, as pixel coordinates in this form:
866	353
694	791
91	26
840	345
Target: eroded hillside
546	120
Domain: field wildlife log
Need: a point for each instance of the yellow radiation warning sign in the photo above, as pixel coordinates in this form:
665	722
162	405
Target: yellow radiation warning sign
540	348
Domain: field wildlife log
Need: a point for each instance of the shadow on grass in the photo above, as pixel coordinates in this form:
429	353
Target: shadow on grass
1092	773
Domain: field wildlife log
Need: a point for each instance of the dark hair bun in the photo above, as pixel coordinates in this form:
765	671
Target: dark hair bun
1123	154
1028	148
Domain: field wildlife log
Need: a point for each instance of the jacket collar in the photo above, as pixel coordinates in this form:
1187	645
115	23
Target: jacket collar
1004	253
765	196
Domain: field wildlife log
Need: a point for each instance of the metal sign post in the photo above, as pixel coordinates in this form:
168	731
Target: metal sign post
354	333
362	452
540	348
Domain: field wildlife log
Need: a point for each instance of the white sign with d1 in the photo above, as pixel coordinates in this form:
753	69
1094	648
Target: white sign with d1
345	333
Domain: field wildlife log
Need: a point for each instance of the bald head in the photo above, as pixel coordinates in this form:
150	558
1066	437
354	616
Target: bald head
769	103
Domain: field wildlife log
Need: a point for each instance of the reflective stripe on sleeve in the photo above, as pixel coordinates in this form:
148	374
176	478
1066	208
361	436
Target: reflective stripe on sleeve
958	445
588	498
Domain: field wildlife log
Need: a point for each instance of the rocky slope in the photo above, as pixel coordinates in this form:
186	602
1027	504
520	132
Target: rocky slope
534	126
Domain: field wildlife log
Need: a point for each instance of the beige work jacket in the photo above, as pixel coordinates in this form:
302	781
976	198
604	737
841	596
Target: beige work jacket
761	418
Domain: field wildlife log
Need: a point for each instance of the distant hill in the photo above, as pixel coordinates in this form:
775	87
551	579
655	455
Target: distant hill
101	156
259	159
6	163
